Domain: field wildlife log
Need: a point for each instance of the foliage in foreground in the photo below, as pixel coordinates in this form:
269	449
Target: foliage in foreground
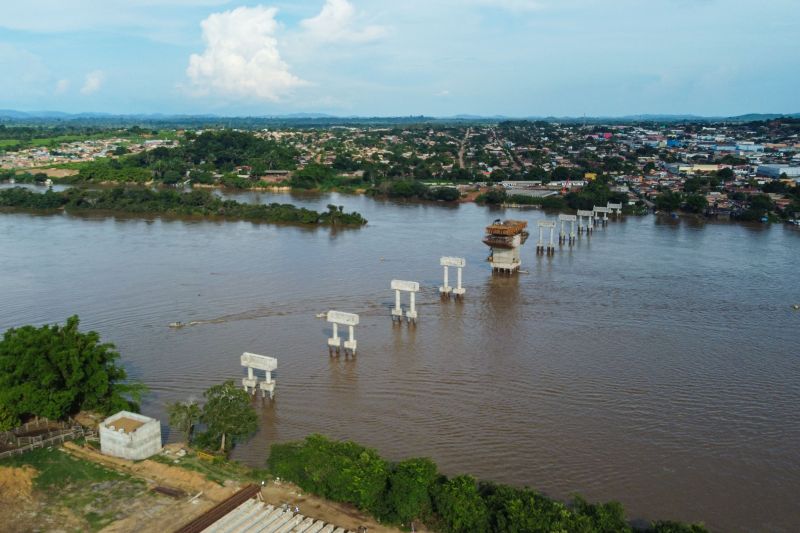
414	490
55	371
228	415
171	202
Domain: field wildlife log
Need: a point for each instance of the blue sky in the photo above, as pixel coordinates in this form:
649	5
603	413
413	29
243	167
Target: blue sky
401	57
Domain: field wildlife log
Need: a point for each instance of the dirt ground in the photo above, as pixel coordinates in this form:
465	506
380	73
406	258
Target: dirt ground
56	172
16	496
147	511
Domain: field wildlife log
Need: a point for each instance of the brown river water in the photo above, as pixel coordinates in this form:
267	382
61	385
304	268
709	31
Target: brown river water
655	363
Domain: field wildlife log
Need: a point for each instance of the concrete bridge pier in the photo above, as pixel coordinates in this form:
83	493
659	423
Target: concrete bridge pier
340	318
411	287
540	242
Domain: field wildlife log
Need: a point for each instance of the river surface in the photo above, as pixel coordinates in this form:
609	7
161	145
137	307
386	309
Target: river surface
655	363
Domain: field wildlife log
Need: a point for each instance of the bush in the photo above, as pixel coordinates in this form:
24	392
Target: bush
341	471
408	494
411	489
460	507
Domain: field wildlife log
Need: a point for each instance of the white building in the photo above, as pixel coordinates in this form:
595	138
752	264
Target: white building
130	436
775	171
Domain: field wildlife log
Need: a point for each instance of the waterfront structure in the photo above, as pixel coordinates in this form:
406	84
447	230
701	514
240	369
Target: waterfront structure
254	362
411	287
540	245
604	211
589	220
504	239
445	289
562	236
616	209
350	320
130	436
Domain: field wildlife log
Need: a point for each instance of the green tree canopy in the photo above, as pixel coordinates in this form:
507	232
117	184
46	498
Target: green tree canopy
55	371
228	415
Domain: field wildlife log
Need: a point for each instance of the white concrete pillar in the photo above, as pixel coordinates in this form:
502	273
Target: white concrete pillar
335	331
413	310
446	287
397	307
458	280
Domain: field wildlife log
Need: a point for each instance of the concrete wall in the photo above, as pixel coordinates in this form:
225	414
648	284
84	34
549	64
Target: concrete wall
139	444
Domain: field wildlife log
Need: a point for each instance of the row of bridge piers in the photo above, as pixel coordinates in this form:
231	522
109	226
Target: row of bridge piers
594	217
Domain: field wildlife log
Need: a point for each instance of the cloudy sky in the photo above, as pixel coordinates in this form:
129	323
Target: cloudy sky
401	57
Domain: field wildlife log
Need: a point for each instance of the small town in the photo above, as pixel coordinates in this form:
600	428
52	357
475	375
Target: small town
714	169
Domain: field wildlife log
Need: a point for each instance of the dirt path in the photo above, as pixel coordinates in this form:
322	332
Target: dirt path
462	148
202	493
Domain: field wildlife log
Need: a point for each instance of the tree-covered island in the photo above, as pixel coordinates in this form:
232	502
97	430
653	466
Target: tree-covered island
169	202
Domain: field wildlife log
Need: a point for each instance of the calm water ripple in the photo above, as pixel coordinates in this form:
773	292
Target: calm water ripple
655	362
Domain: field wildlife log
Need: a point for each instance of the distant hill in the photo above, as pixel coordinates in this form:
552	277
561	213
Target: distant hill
10	116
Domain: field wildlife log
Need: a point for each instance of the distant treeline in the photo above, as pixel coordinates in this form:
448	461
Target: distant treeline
413	489
170	202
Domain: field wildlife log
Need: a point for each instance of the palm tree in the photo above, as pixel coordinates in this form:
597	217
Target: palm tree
183	416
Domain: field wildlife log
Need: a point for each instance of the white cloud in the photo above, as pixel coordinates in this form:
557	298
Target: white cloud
94	80
241	58
337	22
443	92
62	86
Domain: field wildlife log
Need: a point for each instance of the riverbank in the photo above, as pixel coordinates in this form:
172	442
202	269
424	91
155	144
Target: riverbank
77	487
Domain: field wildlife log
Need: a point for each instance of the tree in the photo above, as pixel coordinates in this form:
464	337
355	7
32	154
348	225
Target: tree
668	201
410	482
184	416
55	371
460	506
696	203
725	174
228	415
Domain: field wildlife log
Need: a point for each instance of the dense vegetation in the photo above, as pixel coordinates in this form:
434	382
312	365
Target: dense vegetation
412	189
171	202
56	371
414	490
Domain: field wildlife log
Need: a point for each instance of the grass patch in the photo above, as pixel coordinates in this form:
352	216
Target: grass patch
95	494
58	469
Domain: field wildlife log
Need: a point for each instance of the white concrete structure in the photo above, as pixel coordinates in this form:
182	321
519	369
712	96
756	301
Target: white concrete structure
350	320
601	210
563	237
130	436
253	362
256	516
540	246
589	220
616	209
411	287
504	239
459	263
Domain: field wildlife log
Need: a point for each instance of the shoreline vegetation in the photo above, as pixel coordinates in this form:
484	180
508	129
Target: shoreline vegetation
196	203
413	491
